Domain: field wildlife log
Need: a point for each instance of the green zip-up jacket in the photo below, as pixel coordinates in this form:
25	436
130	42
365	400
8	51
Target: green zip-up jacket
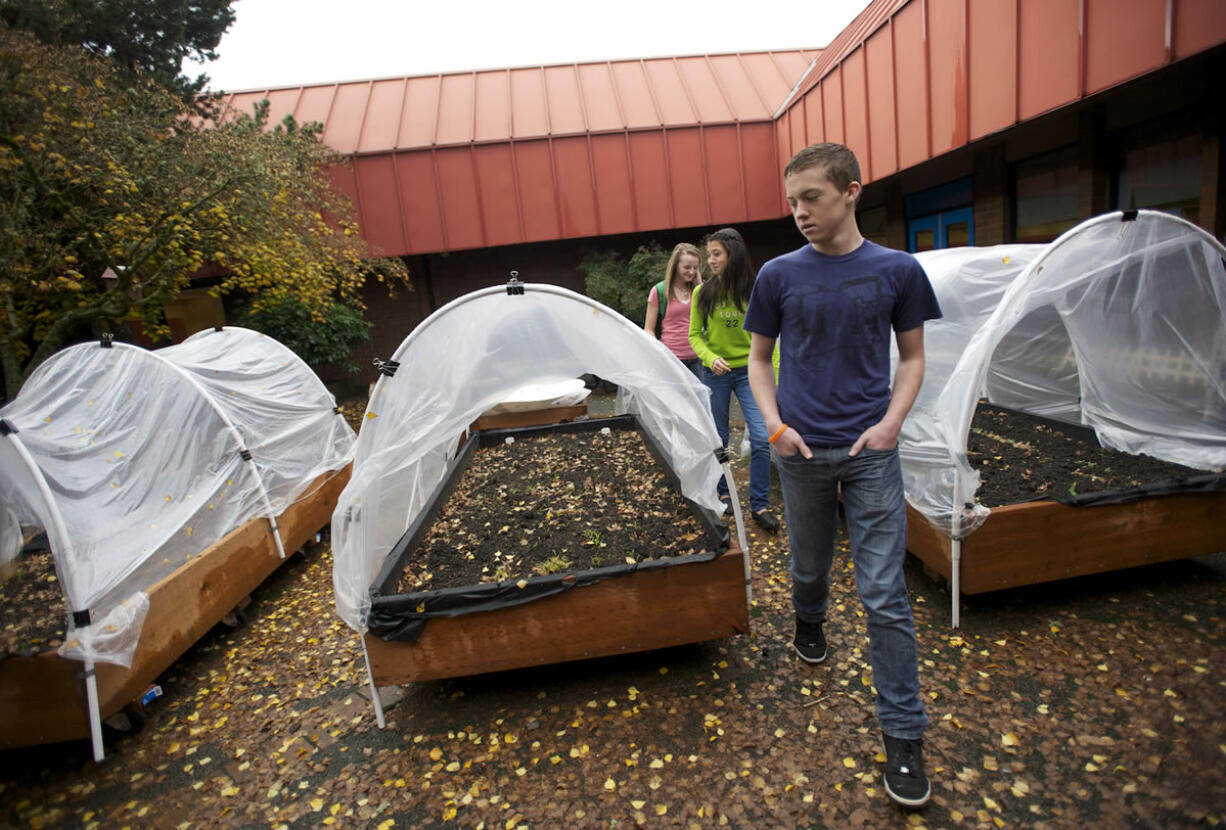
719	335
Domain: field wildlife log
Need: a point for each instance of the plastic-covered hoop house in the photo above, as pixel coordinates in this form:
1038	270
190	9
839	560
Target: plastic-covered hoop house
467	357
1119	325
134	461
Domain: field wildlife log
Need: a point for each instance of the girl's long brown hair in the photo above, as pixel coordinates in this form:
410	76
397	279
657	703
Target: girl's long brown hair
737	279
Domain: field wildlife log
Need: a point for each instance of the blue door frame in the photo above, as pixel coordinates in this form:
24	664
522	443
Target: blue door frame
939	224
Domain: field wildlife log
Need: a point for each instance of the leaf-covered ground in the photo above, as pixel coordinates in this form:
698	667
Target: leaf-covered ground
1098	701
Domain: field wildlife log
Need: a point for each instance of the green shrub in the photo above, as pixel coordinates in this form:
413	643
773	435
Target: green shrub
622	285
318	343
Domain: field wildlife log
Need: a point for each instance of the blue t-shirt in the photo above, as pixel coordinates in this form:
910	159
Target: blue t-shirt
833	317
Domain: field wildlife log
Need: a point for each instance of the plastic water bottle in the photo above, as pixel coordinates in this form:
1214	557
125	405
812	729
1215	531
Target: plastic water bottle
151	694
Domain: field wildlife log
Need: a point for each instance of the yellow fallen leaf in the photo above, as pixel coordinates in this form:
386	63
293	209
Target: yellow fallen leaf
610	784
990	804
317	804
661	809
1009	739
637	803
849	762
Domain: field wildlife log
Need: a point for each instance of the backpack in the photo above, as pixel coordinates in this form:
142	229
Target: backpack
663	301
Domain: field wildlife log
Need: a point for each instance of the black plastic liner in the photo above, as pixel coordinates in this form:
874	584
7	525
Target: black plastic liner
1206	483
402	617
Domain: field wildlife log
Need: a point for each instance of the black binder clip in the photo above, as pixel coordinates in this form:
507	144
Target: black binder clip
386	367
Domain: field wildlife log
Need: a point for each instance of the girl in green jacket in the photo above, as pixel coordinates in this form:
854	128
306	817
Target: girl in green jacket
716	312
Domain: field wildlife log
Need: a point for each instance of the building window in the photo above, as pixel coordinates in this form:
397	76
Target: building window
1046	195
941	217
1161	175
872	225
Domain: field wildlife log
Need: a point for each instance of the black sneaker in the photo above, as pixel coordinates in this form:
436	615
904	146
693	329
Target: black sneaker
767	520
905	780
810	641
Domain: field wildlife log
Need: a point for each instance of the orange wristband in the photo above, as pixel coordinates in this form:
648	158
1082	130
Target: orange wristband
782	429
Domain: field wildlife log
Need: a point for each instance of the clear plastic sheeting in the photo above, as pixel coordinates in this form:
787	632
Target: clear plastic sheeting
133	462
275	401
470	355
1120	325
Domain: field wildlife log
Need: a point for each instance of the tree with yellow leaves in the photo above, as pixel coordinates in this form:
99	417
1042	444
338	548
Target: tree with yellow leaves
113	193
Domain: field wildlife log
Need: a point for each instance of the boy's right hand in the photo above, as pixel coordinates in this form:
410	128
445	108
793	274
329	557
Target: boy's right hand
791	443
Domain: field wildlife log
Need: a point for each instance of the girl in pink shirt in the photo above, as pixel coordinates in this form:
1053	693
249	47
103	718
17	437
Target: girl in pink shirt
681	277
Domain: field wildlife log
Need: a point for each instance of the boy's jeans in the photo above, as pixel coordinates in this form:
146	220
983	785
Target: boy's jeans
873	502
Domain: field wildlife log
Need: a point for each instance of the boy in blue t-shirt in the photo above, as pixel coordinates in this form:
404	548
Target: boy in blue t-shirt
834	424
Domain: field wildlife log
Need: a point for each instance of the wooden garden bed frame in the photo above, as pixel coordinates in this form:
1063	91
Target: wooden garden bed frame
43	699
1041	541
686	602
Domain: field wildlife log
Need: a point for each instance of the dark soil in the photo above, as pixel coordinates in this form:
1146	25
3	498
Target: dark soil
32	612
554	503
1022	458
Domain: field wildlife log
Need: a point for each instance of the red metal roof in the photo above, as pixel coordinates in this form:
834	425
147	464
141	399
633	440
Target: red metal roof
455	109
507	156
909	80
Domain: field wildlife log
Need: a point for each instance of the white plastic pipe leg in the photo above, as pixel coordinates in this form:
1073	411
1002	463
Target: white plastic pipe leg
95	713
740	530
736	508
955	582
374	690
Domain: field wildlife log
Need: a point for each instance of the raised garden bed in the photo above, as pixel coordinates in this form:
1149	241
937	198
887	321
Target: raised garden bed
42	695
569	541
1063	506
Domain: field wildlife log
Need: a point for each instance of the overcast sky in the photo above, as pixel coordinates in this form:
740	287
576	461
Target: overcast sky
291	42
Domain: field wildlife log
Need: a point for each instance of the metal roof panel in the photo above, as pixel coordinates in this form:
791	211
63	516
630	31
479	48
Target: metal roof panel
492	102
419	116
704	91
383	114
315	104
671	96
635	93
738	85
455	110
343	123
604	111
566	111
529	115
